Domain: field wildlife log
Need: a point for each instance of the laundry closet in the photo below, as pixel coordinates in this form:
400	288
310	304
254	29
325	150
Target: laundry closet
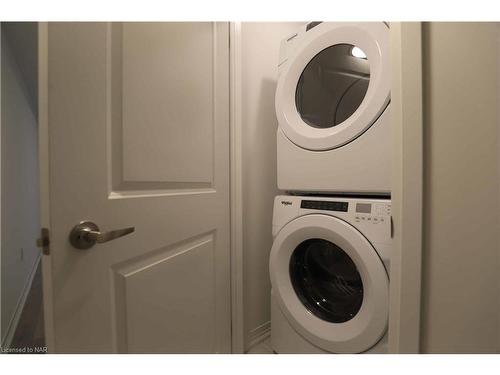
428	182
287	187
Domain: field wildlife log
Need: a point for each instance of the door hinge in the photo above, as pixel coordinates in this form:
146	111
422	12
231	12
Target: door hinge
44	241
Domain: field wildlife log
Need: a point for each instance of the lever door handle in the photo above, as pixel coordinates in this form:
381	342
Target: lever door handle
86	234
99	237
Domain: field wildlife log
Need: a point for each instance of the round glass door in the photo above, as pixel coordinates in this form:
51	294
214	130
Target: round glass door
326	280
332	86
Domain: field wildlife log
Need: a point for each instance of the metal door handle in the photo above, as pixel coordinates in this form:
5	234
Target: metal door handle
86	234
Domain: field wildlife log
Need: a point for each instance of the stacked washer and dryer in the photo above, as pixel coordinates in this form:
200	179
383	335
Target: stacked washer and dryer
329	264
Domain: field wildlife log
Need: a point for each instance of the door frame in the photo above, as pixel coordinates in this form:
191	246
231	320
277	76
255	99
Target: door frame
236	192
407	187
44	170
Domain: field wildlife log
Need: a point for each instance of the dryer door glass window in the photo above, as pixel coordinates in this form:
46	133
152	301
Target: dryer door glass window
332	86
326	280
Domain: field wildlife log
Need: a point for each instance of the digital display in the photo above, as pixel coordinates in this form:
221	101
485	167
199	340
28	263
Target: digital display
363	208
325	205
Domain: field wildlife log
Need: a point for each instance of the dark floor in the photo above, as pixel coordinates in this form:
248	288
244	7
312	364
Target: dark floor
29	332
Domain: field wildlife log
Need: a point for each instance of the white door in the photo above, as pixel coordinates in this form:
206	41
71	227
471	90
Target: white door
135	120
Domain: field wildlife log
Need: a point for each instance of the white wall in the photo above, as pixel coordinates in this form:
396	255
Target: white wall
260	51
19	178
23	41
460	291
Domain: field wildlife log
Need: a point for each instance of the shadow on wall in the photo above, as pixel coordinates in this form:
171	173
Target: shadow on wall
23	43
260	46
20	201
259	180
267	132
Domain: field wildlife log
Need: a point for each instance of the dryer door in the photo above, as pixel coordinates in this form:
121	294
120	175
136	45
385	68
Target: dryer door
335	85
330	284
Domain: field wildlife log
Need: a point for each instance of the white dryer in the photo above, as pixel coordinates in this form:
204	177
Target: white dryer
329	269
332	105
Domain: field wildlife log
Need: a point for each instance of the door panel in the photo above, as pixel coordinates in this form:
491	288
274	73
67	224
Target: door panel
171	95
143	299
127	149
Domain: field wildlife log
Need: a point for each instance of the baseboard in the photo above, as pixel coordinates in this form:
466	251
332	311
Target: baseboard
11	329
259	334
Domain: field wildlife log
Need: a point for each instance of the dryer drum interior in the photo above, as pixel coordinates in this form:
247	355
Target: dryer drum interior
332	86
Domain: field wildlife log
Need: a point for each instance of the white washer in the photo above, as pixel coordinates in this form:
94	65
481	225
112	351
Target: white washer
332	104
329	269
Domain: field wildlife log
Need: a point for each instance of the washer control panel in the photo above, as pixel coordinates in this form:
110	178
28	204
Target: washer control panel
372	213
325	205
371	216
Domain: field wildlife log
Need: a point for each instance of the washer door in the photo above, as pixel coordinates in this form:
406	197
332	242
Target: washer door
330	284
335	85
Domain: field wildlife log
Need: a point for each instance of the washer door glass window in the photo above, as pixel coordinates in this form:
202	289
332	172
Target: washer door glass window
326	280
332	86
